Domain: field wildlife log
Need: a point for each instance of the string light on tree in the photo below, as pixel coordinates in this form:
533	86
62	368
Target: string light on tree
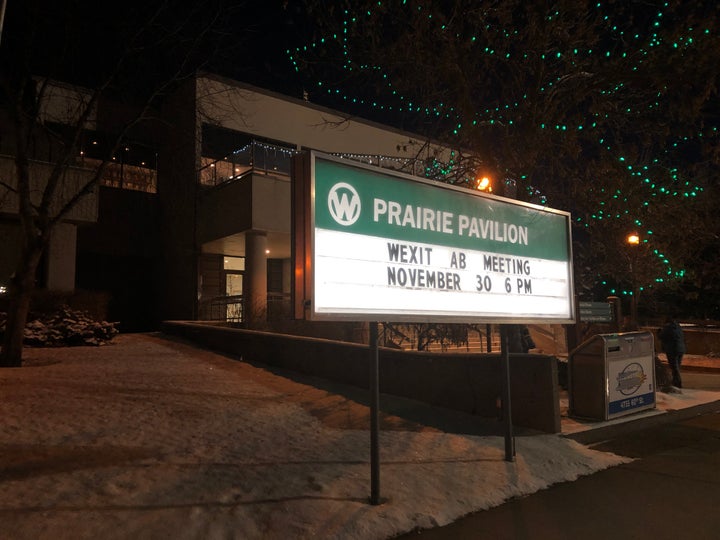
628	41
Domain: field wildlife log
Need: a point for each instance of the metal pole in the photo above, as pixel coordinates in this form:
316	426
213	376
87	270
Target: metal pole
374	416
507	410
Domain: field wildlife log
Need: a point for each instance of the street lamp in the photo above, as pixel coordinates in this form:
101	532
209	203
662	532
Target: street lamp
484	184
633	239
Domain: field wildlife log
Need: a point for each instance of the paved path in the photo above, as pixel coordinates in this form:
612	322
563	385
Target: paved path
669	492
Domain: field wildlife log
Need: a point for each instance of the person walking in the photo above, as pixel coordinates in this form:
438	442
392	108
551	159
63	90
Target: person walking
673	343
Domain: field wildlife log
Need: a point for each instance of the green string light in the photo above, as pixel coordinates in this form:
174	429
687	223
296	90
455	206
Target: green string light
650	180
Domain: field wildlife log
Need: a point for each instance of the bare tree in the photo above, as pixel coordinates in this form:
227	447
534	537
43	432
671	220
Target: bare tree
135	58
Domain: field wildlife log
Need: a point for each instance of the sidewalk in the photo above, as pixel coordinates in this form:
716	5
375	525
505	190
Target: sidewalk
150	437
695	362
669	490
695	398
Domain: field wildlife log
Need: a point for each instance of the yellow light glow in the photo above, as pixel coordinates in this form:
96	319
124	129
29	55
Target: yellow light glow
483	184
633	239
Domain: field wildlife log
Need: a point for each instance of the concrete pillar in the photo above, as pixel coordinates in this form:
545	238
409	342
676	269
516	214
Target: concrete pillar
255	279
61	255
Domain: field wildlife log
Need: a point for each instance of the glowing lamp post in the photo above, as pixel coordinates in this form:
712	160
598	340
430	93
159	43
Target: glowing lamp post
484	184
633	240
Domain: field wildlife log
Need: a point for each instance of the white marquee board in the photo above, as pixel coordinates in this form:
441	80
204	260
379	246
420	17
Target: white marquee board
372	244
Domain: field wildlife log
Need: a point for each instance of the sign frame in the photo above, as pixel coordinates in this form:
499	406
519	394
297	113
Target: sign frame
305	237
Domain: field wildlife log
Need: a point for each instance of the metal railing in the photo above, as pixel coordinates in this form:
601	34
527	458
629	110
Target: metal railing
265	158
256	157
441	337
231	308
221	308
124	176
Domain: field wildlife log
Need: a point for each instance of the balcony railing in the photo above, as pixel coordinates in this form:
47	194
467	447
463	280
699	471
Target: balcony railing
124	176
256	157
263	158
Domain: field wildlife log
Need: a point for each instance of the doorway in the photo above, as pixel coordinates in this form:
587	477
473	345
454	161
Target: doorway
233	272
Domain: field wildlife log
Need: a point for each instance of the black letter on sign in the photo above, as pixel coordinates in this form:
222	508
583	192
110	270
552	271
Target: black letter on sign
457	261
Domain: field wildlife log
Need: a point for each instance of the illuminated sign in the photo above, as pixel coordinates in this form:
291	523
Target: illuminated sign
372	244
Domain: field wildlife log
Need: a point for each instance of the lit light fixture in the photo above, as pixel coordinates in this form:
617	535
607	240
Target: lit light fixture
483	184
633	239
267	252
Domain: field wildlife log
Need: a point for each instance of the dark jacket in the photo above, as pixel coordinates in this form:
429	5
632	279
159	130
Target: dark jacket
672	339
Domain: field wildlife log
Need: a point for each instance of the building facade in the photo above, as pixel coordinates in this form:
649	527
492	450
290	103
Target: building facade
224	191
192	218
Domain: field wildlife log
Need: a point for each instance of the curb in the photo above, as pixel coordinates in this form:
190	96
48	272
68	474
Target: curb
699	369
604	433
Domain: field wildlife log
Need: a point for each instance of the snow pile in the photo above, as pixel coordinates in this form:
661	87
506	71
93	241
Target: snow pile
149	438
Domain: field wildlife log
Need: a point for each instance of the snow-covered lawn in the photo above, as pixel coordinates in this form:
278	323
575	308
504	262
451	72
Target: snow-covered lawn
152	438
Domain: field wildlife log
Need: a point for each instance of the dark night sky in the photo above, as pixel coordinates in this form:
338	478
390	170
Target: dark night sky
79	40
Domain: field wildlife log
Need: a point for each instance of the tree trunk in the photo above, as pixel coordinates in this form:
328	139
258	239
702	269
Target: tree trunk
21	289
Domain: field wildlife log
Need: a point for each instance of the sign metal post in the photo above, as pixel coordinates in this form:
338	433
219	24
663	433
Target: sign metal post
506	397
374	415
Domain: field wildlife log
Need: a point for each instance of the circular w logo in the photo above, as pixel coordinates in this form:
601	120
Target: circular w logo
344	204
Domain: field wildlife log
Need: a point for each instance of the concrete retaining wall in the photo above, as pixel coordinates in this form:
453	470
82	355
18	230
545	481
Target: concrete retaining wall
698	340
465	382
702	340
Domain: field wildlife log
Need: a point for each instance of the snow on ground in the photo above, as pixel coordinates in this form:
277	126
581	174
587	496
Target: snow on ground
152	438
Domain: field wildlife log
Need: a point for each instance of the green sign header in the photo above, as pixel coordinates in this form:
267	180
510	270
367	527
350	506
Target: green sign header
352	199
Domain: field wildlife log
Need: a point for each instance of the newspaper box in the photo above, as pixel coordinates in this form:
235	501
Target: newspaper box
612	375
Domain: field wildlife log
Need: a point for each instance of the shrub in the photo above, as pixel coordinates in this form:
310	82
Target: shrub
66	327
